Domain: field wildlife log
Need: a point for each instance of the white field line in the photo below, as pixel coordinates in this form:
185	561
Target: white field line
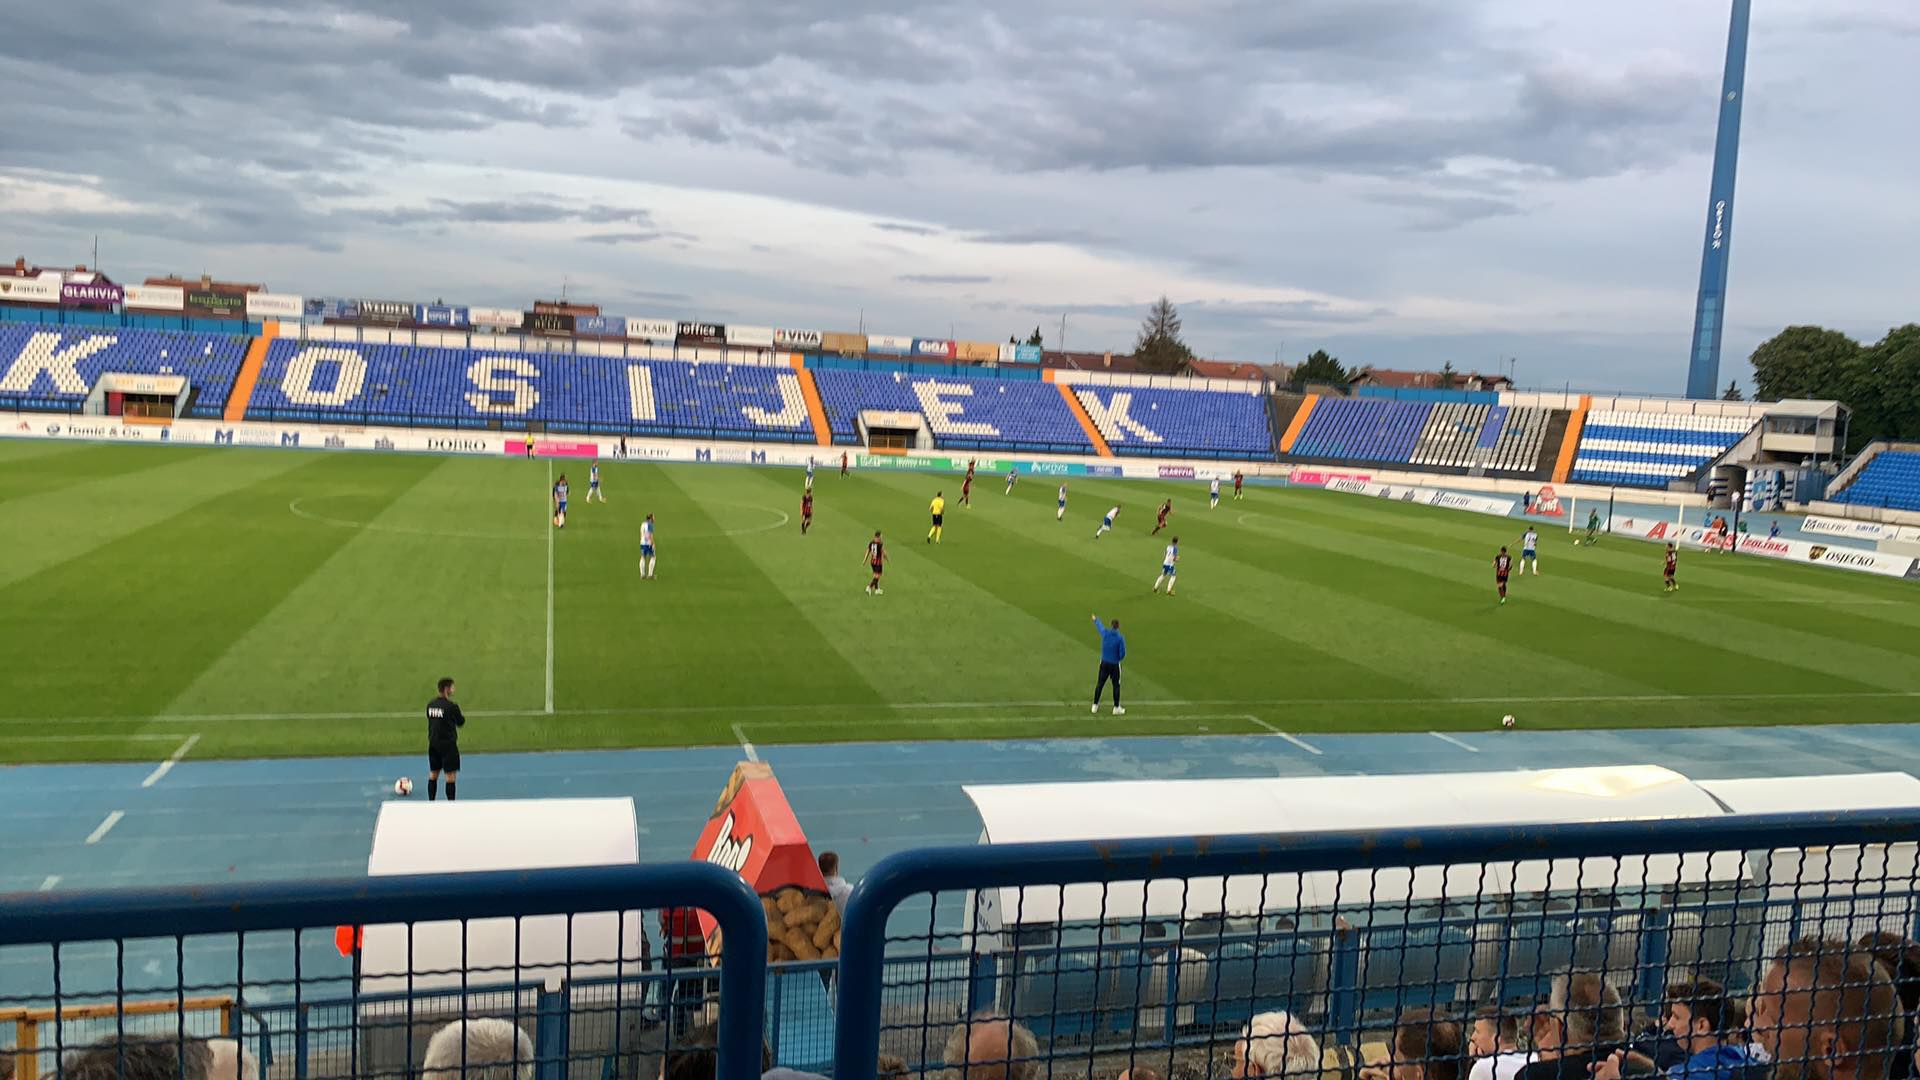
166	766
102	829
868	708
1301	743
745	746
1446	738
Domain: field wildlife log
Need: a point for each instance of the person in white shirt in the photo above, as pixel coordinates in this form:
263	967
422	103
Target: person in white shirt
1530	550
646	547
1495	1045
837	888
1060	512
1106	523
1213	495
1169	566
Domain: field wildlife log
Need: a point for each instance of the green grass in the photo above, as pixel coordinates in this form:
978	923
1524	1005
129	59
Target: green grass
284	603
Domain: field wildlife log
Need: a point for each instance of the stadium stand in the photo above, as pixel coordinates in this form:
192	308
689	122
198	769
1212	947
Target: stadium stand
47	369
962	413
1167	421
1651	449
1363	429
1890	481
1497	438
442	387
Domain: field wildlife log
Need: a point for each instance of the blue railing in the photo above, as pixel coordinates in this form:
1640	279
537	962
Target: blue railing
230	913
998	957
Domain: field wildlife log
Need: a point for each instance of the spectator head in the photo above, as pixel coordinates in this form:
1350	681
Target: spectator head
446	687
1901	957
1426	1046
160	1057
829	864
1697	1015
1275	1044
228	1060
986	1046
1494	1032
697	1056
1582	1012
1825	1011
487	1049
892	1068
1139	1072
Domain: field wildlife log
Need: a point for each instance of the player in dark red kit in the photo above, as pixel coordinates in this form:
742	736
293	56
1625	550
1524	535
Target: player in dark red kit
1673	567
1165	509
877	560
1502	566
966	488
1238	478
806	512
843	463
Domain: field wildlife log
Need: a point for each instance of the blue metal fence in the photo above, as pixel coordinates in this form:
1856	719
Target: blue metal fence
530	948
1156	950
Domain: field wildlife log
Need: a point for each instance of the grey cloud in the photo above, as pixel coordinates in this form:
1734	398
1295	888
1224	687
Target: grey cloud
1437	210
944	279
1042	235
648	237
904	227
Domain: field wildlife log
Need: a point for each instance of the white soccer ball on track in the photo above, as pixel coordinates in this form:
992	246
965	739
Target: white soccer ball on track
1506	721
403	787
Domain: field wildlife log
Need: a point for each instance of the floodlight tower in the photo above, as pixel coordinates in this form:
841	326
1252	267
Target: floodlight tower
1709	314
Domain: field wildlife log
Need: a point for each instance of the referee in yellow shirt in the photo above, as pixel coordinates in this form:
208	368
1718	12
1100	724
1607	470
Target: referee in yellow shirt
939	508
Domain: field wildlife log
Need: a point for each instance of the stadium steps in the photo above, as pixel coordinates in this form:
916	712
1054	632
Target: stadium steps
1079	412
1291	437
255	359
816	409
1570	442
1281	409
1550	444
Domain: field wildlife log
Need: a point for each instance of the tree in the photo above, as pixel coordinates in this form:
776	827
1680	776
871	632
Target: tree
1449	378
1035	339
1159	348
1319	367
1733	392
1803	362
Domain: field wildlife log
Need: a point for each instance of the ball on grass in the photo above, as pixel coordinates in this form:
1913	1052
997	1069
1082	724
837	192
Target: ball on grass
1506	721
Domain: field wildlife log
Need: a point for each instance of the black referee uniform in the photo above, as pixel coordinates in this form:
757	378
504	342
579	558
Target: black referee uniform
444	721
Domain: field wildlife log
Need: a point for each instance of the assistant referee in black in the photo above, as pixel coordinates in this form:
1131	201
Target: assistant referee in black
444	722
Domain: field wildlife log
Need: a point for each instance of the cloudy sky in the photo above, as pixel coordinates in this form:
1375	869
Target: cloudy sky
1403	182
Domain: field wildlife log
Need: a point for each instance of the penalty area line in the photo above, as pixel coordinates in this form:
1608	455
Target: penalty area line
745	746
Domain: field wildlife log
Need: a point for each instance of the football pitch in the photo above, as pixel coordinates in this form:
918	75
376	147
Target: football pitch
229	602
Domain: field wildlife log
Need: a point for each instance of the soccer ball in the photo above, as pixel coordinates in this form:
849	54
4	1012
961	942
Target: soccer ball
1506	721
403	787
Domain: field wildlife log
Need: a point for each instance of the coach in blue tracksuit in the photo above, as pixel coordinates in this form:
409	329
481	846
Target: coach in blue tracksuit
1113	649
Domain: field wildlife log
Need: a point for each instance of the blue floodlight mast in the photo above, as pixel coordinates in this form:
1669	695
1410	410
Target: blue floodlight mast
1709	315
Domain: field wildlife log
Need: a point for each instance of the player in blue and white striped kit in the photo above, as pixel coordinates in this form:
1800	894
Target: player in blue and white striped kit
1106	523
1060	513
646	548
593	484
560	502
1529	545
1169	566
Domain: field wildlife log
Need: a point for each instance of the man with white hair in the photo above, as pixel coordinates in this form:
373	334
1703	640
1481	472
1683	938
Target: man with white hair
488	1049
230	1061
986	1046
1275	1044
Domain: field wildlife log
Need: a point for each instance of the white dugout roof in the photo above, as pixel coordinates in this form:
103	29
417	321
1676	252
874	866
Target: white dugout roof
1026	813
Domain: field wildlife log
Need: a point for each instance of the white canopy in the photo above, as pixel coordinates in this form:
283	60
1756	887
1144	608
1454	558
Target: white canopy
1021	813
475	835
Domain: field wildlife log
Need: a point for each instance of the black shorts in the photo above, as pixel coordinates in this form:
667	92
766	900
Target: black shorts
443	758
876	569
1499	579
937	519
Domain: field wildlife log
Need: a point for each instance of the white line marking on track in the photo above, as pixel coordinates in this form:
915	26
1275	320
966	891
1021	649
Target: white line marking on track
1301	743
101	829
52	880
745	746
1446	738
550	532
921	706
166	766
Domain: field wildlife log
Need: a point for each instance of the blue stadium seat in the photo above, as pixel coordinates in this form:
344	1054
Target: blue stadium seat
1890	480
442	387
1177	422
1363	429
961	413
1637	449
52	368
